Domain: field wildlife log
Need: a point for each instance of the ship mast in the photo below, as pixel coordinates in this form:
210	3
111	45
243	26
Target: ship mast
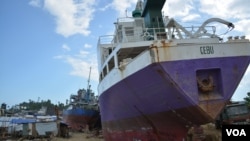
88	87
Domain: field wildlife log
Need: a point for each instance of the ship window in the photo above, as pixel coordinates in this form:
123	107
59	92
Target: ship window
104	71
111	63
159	19
120	27
129	31
138	23
100	77
110	50
153	19
119	36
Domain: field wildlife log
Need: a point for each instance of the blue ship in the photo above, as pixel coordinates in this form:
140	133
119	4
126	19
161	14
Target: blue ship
83	109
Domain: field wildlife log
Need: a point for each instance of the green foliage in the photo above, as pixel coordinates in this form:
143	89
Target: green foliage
36	106
247	99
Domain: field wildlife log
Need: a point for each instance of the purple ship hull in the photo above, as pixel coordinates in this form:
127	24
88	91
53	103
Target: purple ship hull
159	78
161	100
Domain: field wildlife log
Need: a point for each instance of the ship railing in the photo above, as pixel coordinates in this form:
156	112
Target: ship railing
106	39
162	33
176	30
154	34
171	30
191	32
146	34
131	34
125	19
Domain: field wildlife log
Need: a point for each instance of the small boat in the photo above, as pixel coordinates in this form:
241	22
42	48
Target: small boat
159	78
83	111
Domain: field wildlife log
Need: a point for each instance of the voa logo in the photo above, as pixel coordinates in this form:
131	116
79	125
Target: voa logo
236	132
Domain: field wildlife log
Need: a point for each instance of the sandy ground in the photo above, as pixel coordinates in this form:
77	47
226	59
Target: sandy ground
77	136
73	136
209	133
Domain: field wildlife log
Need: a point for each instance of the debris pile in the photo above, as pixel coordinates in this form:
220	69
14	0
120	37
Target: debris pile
207	132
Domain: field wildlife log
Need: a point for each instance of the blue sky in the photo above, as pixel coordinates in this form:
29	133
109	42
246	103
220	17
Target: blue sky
48	46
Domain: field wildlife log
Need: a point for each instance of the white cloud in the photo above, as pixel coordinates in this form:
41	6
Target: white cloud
216	8
66	47
246	80
238	9
83	53
58	57
120	6
81	66
243	88
80	63
178	8
36	3
72	17
87	46
188	10
243	27
106	7
190	17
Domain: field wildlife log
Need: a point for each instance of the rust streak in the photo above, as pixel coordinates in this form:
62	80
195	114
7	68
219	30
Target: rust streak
154	49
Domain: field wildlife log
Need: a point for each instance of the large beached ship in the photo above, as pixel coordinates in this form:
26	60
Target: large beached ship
158	78
83	110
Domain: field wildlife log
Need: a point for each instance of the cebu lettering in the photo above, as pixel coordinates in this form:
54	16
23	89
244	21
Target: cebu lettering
236	132
207	50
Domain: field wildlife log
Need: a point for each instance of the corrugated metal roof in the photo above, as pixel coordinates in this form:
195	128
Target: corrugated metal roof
5	121
20	121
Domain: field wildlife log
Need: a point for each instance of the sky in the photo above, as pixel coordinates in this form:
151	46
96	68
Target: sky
48	46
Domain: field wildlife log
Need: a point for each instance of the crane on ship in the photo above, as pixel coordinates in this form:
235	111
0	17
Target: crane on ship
87	96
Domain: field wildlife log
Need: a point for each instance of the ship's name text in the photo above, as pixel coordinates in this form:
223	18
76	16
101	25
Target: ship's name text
206	49
236	132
